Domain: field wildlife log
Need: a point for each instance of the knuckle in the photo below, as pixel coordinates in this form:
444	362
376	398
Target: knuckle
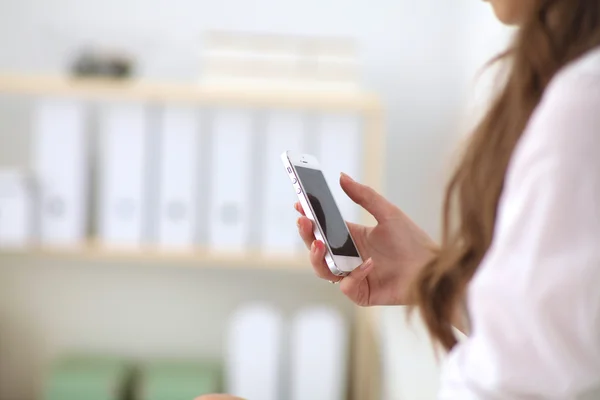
315	260
319	271
306	236
346	287
369	195
369	191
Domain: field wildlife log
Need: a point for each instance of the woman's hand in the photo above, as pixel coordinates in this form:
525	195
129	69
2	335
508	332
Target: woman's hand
393	250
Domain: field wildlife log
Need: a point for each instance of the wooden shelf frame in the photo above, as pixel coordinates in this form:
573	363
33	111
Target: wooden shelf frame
195	258
149	91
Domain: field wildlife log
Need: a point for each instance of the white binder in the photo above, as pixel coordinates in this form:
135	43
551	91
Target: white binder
16	210
285	130
179	150
60	159
340	150
123	162
319	355
231	180
253	356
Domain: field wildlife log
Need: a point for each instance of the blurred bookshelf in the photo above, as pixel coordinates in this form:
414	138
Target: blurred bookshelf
365	368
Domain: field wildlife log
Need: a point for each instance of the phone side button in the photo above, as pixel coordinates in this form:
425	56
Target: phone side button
298	190
294	180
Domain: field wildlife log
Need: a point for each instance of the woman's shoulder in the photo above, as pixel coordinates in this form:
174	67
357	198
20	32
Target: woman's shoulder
565	127
587	65
572	100
582	75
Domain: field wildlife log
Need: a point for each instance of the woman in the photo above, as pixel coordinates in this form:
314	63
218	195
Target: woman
518	267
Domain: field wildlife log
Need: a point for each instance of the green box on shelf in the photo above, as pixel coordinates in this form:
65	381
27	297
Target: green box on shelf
87	377
177	380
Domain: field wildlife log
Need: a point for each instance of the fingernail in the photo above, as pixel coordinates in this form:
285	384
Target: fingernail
298	222
346	176
367	264
313	246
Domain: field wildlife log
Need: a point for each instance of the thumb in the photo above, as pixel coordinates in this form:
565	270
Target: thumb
366	197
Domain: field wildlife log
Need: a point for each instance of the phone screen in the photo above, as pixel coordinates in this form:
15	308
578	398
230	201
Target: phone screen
326	212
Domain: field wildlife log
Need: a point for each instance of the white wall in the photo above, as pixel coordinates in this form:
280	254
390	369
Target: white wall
412	366
417	55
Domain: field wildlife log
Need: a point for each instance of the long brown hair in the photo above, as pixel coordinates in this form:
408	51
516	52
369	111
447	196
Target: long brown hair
554	33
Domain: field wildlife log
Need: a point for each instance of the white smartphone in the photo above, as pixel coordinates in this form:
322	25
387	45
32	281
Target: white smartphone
317	201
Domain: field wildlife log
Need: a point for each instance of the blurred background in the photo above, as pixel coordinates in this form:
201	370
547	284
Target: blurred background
151	305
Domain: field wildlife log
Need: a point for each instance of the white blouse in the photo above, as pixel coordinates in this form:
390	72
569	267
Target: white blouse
534	303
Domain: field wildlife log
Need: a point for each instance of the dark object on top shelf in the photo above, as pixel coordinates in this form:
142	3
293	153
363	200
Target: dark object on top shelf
93	64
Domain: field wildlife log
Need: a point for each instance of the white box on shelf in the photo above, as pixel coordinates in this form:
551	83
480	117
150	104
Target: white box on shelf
231	180
60	159
123	139
17	201
340	145
253	361
285	130
179	151
319	355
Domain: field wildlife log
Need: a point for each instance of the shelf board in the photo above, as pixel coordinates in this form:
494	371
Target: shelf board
198	258
145	90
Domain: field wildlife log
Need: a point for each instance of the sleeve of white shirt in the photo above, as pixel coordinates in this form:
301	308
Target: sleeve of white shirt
534	303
